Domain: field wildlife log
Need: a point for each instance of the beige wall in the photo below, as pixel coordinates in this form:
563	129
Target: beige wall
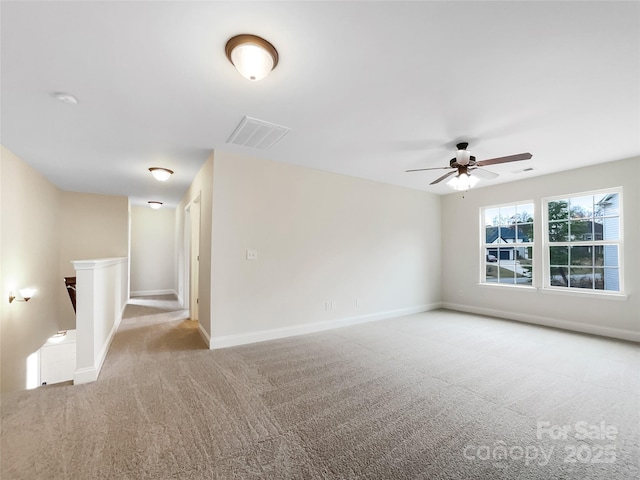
364	247
29	258
461	256
91	226
202	188
152	250
43	229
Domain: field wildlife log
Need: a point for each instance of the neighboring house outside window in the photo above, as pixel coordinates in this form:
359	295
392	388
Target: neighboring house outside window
508	244
584	234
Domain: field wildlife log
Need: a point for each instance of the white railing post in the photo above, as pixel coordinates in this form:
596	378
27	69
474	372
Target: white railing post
101	295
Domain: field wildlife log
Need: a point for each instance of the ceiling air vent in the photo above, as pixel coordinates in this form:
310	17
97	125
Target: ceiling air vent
255	133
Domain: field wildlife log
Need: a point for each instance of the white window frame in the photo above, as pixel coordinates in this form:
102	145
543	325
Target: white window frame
483	247
546	275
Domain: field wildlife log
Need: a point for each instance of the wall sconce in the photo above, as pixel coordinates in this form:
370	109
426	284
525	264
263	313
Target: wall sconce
161	174
25	293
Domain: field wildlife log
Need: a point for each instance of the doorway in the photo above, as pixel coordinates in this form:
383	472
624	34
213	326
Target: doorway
192	257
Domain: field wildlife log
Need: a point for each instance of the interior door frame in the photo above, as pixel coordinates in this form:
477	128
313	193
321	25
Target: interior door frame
190	260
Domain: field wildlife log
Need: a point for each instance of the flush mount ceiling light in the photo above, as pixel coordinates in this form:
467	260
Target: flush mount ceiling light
253	57
66	98
155	205
161	174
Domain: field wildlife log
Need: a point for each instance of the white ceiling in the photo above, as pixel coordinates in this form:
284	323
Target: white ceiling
369	89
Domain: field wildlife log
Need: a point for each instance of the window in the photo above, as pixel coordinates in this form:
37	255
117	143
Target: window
508	244
584	241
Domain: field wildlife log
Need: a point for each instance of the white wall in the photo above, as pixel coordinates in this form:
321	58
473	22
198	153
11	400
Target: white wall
153	251
592	314
43	229
29	258
366	248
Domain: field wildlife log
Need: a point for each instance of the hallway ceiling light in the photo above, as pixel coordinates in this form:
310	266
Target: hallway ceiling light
155	205
253	56
161	174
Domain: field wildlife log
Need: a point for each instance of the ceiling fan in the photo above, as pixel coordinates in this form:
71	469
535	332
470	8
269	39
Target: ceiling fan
464	164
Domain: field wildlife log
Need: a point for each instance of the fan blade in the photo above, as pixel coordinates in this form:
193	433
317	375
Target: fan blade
510	158
423	169
443	177
482	173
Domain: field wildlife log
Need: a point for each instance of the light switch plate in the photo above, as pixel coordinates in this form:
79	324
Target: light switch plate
252	254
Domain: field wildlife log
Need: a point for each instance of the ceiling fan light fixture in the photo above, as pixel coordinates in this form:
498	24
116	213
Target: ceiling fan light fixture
253	56
463	181
463	157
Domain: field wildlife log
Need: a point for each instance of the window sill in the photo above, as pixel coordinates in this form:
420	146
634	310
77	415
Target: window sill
559	291
522	288
585	293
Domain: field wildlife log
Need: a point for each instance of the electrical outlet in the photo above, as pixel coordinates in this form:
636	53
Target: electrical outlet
252	254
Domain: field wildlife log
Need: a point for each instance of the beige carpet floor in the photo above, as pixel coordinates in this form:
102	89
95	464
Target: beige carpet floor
439	395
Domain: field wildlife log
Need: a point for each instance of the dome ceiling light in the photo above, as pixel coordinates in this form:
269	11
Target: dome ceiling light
155	205
161	174
253	56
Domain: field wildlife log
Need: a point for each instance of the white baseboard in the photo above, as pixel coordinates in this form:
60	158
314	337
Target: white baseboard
85	375
276	333
147	293
205	336
547	322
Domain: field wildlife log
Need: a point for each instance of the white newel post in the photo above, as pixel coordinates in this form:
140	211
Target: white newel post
102	292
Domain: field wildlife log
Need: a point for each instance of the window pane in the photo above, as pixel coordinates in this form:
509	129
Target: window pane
491	272
581	277
611	279
581	230
525	265
581	256
508	278
558	210
598	278
491	255
559	255
491	217
558	277
581	207
598	255
507	215
524	213
507	234
609	228
610	255
525	232
608	204
491	234
558	231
